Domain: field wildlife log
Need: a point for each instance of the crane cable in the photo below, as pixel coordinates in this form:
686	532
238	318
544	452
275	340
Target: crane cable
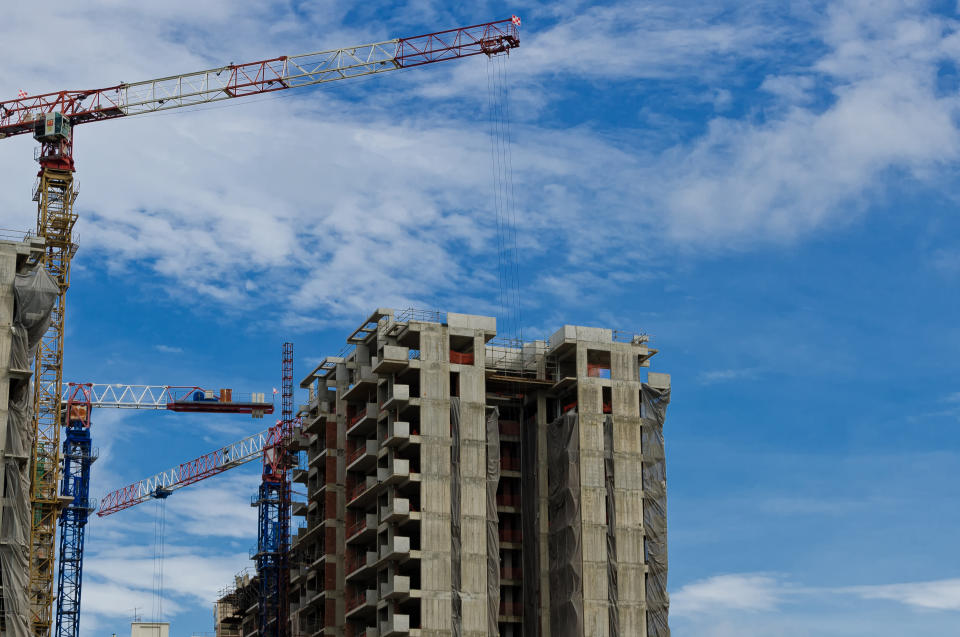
159	531
505	207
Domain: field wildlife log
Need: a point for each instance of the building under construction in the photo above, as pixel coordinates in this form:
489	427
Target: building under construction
461	484
27	295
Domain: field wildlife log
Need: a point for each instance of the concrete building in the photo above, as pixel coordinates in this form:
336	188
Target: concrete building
461	485
235	613
26	298
150	629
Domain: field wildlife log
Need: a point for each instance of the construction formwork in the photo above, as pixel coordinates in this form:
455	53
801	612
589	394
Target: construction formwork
26	297
462	485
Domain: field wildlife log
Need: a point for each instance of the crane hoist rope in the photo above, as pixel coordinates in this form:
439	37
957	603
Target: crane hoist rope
504	200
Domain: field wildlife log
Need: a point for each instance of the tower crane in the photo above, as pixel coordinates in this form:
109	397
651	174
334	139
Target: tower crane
51	117
78	400
273	508
273	499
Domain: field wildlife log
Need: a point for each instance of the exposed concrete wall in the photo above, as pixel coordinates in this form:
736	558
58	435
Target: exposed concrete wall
593	499
608	442
628	490
436	614
473	512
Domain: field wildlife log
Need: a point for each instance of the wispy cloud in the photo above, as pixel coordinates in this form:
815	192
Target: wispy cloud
938	595
715	376
168	349
739	592
764	592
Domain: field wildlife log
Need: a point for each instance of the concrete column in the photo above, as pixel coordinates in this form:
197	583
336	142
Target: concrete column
628	491
435	481
473	511
593	500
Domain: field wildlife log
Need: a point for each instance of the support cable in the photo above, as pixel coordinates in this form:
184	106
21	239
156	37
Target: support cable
508	275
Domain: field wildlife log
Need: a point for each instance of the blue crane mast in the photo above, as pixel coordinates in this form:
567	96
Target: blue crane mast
75	494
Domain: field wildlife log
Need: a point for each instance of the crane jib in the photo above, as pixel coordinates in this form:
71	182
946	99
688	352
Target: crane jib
20	116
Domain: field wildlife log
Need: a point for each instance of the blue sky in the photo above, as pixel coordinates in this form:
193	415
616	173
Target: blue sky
767	188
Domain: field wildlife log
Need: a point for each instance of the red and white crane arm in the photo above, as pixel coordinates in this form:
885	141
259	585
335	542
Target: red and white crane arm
165	482
18	116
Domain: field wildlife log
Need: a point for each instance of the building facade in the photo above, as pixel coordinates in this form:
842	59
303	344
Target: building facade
26	298
462	485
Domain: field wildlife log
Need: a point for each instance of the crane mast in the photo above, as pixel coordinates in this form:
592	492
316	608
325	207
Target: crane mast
50	117
55	195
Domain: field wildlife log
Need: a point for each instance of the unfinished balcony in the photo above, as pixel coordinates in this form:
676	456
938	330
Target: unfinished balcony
399	435
397	511
364	382
327	411
397	472
361	602
360	492
361	454
396	588
396	549
359	565
395	626
299	441
299	508
363	421
362	528
391	359
398	398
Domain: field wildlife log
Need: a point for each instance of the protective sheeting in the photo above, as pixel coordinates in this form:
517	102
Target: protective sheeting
455	536
493	522
654	477
565	547
35	291
19	348
613	596
19	420
15	528
530	524
13	551
13	570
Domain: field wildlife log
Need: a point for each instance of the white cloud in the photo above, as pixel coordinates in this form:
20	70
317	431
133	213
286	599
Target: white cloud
714	376
938	595
806	165
168	349
737	592
771	593
231	208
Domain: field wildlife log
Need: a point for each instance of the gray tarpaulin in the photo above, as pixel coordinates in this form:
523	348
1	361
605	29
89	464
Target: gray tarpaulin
493	522
565	549
16	513
654	477
613	595
19	348
34	292
19	420
13	552
455	543
530	525
13	566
